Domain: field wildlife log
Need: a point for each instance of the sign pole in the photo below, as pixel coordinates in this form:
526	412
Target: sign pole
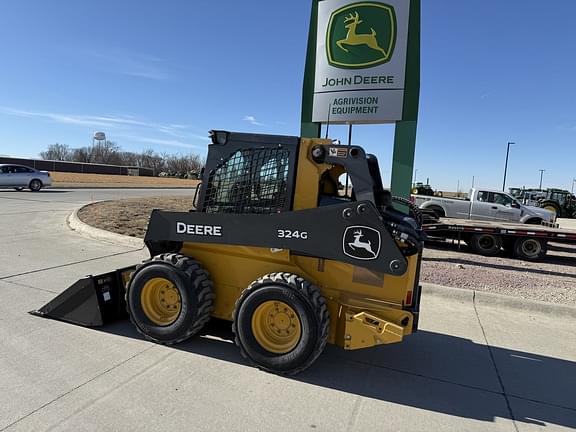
309	129
405	133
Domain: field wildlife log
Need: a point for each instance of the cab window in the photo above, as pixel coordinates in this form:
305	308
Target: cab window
502	199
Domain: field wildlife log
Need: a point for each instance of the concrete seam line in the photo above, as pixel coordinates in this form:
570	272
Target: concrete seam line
483	298
500	381
75	224
2	278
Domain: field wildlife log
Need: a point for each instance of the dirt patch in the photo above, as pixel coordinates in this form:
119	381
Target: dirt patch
129	216
552	280
61	179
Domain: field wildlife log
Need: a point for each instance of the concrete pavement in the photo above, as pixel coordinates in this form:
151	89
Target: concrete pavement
567	223
473	366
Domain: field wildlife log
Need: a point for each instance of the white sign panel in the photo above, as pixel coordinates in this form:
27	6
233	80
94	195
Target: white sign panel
360	61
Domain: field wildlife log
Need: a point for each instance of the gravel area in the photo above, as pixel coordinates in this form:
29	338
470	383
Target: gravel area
552	280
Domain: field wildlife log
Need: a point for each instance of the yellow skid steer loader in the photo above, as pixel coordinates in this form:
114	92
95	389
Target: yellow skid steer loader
278	247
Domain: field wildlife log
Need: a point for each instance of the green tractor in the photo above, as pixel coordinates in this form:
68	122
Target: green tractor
560	201
422	189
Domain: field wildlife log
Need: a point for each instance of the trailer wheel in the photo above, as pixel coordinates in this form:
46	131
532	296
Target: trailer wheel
530	249
169	298
486	244
281	323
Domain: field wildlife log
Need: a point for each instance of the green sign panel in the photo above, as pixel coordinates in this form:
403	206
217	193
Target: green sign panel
361	35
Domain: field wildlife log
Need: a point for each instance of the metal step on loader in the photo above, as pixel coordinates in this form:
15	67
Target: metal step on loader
276	247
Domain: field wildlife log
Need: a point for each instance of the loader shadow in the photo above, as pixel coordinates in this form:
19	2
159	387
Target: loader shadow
430	371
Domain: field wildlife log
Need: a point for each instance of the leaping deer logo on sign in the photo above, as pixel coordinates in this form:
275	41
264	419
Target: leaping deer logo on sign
361	35
361	242
353	38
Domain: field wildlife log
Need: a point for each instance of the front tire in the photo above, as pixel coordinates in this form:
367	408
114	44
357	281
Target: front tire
35	185
281	323
169	298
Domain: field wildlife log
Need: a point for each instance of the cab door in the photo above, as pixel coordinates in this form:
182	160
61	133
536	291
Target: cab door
6	175
22	176
503	208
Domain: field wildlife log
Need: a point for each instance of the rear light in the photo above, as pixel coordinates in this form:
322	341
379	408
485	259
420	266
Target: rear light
408	301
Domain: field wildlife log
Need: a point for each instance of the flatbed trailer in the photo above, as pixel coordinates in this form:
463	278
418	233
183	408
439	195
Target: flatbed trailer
524	241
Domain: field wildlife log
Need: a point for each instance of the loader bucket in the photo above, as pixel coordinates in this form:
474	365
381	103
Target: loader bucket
92	301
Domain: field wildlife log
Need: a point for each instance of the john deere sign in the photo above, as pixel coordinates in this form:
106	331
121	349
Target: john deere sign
360	61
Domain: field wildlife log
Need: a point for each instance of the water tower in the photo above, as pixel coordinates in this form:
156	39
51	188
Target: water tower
99	137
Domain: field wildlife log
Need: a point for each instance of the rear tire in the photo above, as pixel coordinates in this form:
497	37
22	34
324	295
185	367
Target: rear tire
551	206
281	323
530	249
169	298
20	188
35	185
486	244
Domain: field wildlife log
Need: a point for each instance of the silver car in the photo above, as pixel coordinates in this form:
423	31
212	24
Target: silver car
19	177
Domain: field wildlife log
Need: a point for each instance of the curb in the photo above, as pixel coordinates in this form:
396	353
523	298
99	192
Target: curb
80	227
488	299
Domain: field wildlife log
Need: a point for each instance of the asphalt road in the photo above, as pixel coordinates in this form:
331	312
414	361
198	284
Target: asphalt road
472	367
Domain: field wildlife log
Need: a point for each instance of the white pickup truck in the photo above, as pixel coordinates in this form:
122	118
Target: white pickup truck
486	205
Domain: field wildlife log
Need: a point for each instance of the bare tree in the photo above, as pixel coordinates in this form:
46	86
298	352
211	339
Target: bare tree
106	152
110	153
129	158
56	151
82	154
184	165
150	159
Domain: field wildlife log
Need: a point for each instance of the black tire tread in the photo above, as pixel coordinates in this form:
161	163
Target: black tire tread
308	290
205	295
551	204
475	245
35	180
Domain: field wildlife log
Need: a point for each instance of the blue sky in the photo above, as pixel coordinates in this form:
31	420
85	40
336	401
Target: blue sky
161	74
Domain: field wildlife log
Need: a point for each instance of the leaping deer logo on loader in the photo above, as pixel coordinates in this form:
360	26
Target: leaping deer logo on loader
353	38
367	245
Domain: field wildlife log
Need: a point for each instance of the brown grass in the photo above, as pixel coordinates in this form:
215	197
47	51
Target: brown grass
130	216
61	179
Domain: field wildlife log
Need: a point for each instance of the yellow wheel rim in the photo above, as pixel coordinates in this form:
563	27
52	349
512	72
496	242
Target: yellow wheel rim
550	208
276	327
161	302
